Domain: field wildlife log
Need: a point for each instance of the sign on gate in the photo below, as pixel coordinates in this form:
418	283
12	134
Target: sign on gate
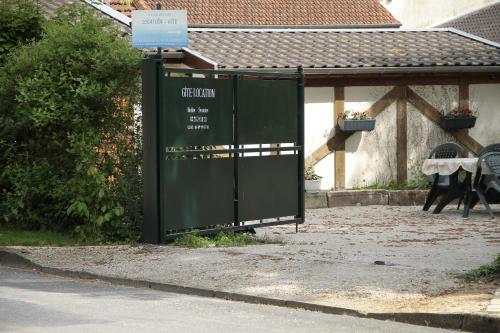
221	153
200	111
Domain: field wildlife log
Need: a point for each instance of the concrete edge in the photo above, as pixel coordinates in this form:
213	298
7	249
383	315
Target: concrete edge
328	199
475	323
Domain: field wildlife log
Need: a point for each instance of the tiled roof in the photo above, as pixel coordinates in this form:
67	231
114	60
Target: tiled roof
340	48
49	7
277	12
123	6
484	23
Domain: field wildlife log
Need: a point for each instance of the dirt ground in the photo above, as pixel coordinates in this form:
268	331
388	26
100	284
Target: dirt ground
330	261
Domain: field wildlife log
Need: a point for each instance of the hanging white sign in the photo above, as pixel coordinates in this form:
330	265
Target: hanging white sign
159	28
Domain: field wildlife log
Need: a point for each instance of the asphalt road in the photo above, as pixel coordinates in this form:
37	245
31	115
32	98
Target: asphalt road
31	302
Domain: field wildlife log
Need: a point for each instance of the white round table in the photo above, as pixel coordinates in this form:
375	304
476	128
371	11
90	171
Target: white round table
447	166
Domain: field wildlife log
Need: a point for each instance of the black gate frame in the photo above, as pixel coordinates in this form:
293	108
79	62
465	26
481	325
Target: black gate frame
152	74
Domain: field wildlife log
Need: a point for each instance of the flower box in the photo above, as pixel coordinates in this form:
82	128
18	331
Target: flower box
312	181
459	118
456	123
312	185
351	125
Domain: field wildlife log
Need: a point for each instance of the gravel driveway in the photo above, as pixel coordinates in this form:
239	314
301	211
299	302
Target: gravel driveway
331	260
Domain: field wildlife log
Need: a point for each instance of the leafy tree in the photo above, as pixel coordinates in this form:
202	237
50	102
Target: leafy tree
20	23
70	155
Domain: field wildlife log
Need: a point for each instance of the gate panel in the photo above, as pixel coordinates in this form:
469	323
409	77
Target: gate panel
199	135
197	193
267	187
267	111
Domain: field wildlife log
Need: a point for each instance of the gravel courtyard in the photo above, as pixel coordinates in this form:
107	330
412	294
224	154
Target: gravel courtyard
371	259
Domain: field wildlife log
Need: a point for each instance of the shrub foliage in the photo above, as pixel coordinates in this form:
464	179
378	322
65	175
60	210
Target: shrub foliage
70	156
20	23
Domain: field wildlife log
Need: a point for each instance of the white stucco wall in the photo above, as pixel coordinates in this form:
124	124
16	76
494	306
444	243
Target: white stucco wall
326	169
485	98
423	135
427	13
370	156
318	127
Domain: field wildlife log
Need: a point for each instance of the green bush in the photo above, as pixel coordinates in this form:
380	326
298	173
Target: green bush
70	154
20	23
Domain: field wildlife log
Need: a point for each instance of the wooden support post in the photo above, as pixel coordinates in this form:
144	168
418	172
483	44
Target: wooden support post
340	168
463	102
401	137
339	138
274	145
338	107
463	95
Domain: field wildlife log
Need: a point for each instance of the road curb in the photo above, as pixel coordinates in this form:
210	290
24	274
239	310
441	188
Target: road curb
476	323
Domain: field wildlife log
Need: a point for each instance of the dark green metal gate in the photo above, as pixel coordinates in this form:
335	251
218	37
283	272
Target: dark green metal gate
224	151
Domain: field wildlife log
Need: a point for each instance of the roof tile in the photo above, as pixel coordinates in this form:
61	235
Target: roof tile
484	23
341	48
275	12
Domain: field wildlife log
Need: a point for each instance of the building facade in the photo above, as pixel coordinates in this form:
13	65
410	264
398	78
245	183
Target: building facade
429	13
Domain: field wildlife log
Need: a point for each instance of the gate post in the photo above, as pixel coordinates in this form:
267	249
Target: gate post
300	139
151	69
236	145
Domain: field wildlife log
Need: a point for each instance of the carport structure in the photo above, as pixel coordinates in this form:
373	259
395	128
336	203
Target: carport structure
400	77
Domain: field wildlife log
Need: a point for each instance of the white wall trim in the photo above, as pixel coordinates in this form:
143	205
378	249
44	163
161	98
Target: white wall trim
199	55
315	30
474	37
114	14
377	70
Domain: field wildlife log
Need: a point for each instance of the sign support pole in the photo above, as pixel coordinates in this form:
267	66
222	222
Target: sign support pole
151	67
158	7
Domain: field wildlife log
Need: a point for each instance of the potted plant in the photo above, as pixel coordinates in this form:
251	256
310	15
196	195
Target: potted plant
350	121
312	180
464	118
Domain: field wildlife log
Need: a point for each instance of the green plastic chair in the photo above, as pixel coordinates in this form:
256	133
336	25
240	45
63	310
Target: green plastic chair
487	187
449	186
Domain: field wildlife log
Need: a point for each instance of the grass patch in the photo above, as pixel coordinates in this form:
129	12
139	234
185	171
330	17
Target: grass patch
222	239
11	236
487	273
412	185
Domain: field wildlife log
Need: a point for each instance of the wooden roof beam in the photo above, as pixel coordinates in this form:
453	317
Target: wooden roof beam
338	139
